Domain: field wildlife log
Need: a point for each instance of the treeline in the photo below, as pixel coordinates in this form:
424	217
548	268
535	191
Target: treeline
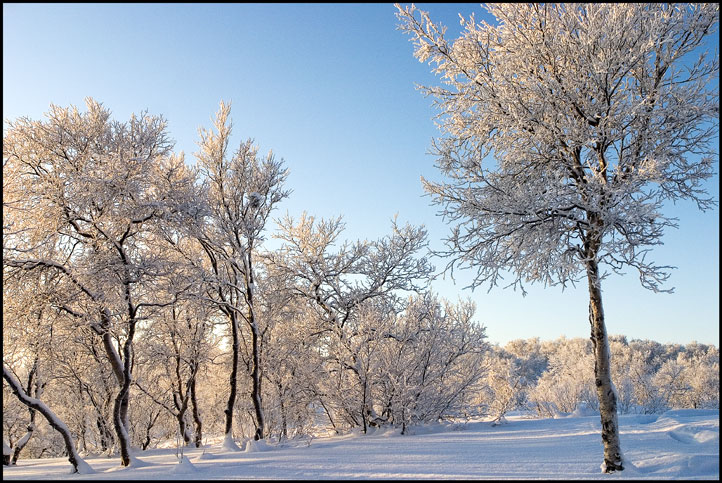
552	378
141	305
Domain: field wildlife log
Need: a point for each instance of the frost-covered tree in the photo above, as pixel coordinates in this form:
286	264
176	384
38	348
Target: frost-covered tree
569	126
291	363
83	207
79	464
434	360
503	384
238	195
175	345
338	280
567	381
702	366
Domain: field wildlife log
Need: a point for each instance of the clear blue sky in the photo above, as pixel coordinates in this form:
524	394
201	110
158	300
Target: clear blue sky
330	88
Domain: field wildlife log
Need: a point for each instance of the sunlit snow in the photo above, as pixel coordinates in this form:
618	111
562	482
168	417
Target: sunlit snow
678	444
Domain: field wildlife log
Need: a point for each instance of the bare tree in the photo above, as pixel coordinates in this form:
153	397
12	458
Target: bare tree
569	126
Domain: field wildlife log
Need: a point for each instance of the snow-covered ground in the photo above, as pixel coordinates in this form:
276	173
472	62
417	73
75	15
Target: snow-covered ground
679	444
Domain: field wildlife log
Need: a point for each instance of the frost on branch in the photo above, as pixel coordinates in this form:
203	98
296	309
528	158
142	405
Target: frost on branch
568	127
566	124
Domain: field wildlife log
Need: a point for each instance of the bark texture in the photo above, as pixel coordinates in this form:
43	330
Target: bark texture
603	374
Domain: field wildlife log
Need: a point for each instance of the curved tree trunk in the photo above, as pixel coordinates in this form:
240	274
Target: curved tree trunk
602	373
31	426
118	423
79	465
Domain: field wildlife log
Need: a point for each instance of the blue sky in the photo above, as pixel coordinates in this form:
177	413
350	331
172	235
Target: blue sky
331	89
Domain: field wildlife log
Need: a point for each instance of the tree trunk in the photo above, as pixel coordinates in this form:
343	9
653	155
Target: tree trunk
120	407
602	373
196	414
284	425
24	440
120	428
255	370
256	389
79	465
180	401
234	375
31	426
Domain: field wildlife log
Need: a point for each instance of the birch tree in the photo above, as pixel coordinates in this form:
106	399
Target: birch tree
568	127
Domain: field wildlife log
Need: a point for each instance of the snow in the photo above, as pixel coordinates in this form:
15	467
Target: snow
679	444
229	444
253	446
184	466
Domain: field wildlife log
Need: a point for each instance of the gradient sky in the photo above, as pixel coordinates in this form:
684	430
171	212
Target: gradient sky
331	89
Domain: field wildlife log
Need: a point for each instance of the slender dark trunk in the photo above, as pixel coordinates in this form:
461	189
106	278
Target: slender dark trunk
234	374
148	427
196	413
602	370
183	427
284	424
255	370
120	407
256	389
106	435
181	402
118	424
365	411
328	413
22	442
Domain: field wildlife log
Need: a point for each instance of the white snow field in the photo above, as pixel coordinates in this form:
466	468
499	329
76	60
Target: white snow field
678	444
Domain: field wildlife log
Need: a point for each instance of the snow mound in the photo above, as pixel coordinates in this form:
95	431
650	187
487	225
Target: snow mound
205	455
583	410
690	413
83	468
135	463
138	463
229	444
253	446
644	418
689	435
184	466
435	428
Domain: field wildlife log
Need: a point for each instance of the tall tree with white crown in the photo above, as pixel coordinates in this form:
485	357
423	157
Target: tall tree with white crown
568	127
